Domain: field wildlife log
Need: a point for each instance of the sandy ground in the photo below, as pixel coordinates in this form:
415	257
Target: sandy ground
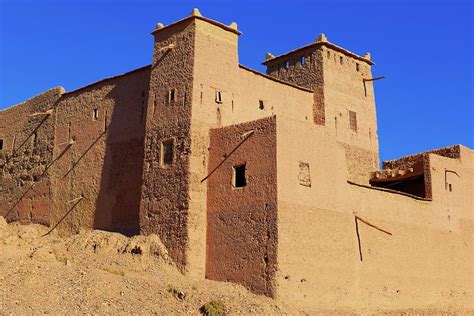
97	272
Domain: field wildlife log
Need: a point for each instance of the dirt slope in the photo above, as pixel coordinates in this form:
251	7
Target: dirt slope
106	273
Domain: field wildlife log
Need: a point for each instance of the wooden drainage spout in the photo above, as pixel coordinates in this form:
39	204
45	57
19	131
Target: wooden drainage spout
364	80
77	200
245	136
357	219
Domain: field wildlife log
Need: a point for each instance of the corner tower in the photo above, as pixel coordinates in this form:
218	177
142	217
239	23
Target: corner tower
343	98
193	63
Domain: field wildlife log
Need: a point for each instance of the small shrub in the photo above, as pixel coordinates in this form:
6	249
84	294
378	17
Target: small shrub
213	308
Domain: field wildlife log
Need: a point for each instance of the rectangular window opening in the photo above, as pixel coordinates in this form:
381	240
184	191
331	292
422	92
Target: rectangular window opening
261	105
240	180
302	60
1	144
218	96
341	60
357	67
167	148
353	121
171	96
287	64
96	114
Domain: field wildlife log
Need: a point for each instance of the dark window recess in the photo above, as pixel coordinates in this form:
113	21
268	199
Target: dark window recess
1	144
412	182
329	54
357	67
341	60
34	139
450	187
218	97
353	120
171	95
96	114
414	185
239	176
167	152
261	105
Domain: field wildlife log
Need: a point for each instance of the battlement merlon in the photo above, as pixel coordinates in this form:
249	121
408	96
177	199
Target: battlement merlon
320	41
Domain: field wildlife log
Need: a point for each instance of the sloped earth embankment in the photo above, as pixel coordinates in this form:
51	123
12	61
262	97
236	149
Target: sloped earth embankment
105	273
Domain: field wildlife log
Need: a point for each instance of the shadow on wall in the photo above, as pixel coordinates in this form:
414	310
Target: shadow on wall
118	200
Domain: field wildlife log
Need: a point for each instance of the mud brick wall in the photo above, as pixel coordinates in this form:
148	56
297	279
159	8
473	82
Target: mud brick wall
336	77
98	178
242	221
303	68
27	134
165	195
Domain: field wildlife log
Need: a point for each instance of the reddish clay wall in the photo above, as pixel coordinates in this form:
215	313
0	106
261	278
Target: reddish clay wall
28	140
242	222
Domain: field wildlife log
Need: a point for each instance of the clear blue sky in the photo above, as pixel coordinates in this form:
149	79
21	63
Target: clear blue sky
424	48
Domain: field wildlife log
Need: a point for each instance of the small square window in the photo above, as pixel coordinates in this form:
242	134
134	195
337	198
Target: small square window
353	120
1	144
239	176
261	105
95	114
218	96
167	152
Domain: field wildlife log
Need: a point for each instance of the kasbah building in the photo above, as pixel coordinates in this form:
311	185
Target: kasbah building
269	180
